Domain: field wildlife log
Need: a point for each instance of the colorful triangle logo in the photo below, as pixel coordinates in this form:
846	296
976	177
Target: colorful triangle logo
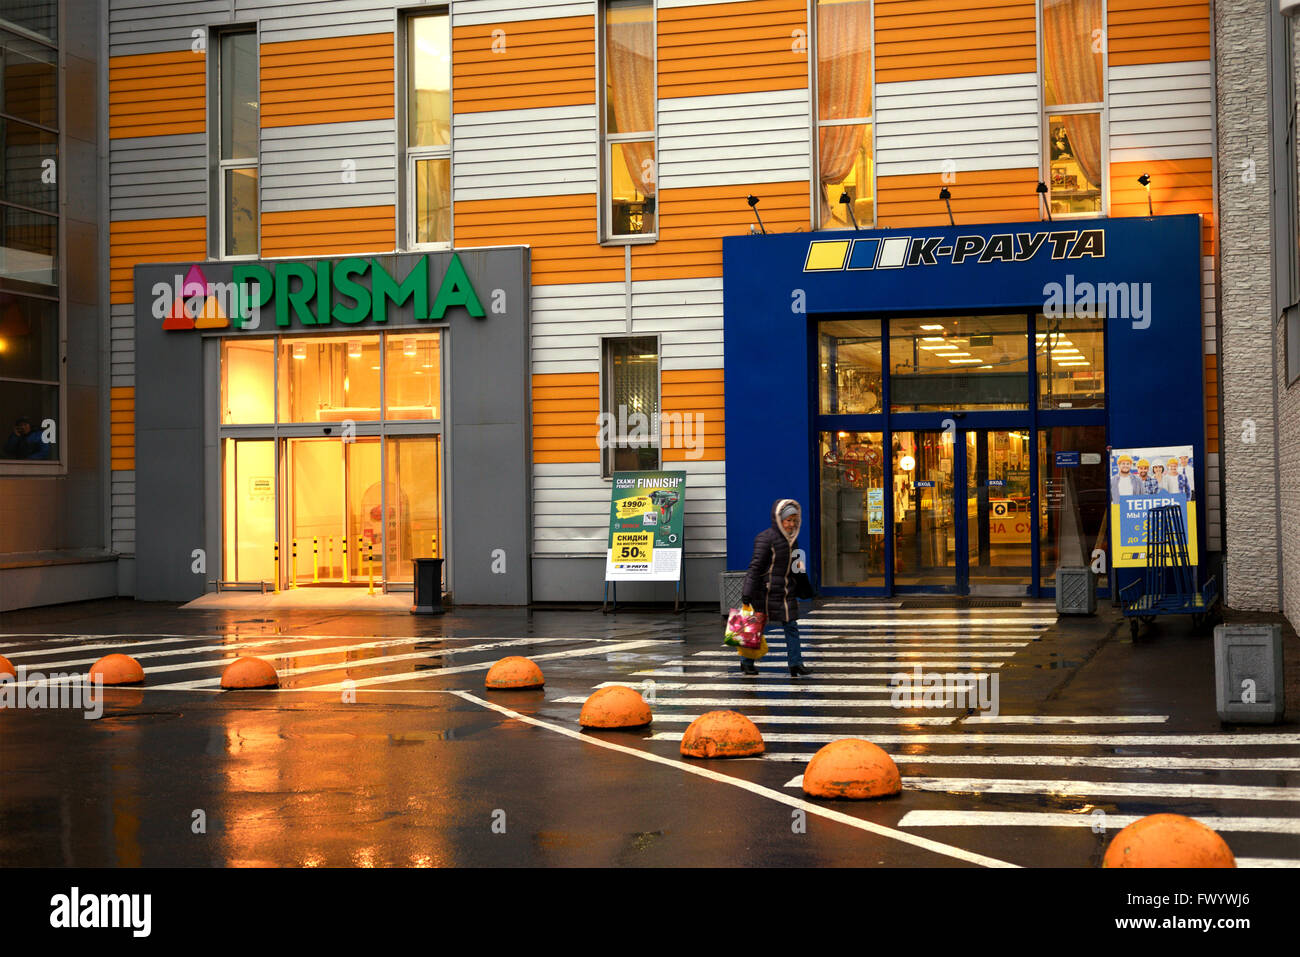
211	315
178	316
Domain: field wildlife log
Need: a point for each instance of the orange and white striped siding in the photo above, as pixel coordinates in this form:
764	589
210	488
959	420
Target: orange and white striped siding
957	92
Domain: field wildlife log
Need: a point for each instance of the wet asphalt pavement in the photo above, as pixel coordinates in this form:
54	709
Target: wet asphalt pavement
412	774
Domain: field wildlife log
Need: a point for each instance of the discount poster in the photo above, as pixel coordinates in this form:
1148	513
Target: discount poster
645	526
1143	479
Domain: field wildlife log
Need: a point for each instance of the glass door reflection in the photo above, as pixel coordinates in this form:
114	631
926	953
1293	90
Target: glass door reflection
925	520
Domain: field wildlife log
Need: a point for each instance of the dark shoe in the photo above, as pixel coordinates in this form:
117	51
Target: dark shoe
747	667
798	671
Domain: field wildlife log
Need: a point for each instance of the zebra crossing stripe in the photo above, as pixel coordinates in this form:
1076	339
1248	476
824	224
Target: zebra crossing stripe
1114	822
900	645
1111	789
860	671
223	649
1267	862
659	687
869	655
901	716
479	666
774	795
1039	740
841	622
1142	762
311	653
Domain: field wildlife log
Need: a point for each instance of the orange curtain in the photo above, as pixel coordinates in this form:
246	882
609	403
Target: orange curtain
1074	74
629	62
843	85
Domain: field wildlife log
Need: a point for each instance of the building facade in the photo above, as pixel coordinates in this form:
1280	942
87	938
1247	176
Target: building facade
603	165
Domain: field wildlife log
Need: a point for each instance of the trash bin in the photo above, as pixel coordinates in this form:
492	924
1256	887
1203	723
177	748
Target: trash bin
729	587
428	587
1076	593
1248	685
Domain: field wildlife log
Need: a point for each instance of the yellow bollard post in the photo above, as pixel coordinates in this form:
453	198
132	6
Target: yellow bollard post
315	559
277	567
345	559
293	566
329	561
370	566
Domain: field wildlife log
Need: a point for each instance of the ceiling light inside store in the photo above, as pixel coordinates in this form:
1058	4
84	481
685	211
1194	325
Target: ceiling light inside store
408	348
354	348
932	339
299	351
934	328
963	361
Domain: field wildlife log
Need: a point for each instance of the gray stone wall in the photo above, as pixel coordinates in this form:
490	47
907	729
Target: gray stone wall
1289	427
1247	447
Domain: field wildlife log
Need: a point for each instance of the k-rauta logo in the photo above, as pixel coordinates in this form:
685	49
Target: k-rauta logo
899	252
76	910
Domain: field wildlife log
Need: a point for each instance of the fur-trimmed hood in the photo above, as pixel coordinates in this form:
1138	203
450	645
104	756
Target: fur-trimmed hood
776	519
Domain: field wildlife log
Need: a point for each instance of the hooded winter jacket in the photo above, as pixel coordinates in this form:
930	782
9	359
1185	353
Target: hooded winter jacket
768	586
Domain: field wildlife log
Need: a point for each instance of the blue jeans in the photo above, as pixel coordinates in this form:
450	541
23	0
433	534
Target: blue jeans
793	653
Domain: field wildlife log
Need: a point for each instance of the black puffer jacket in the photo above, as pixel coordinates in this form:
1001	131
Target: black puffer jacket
768	586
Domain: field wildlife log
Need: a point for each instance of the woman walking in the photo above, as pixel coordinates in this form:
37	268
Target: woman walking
769	585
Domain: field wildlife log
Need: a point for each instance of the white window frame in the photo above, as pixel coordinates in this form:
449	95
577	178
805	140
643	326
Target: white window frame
1102	110
607	140
238	163
816	123
656	438
414	154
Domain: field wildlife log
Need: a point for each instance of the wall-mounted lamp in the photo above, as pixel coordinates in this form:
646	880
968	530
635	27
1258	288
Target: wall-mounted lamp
1145	180
753	204
947	201
847	200
1047	207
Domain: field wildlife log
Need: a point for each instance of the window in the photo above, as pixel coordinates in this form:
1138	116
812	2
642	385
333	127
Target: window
849	358
629	421
1071	362
237	144
844	130
428	130
1074	96
629	151
958	362
30	366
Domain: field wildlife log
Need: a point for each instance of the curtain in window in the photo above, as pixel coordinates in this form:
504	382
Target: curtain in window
843	84
1074	73
631	67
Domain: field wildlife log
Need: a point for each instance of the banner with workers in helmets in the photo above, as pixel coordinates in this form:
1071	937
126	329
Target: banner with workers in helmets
1140	480
645	526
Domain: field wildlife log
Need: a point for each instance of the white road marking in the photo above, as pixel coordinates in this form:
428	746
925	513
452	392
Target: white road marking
900	645
1114	822
1048	613
1266	862
481	666
1143	762
904	717
1112	789
870	655
315	652
1039	740
736	686
756	703
806	806
860	671
841	622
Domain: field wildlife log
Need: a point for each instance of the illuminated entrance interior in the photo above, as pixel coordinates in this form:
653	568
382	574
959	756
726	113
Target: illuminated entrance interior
959	453
332	447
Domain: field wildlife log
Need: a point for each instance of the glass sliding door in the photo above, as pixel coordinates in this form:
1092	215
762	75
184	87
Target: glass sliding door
853	481
925	521
332	510
999	512
248	507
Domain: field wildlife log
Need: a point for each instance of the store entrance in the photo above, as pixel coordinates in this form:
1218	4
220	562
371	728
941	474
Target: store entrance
331	489
959	511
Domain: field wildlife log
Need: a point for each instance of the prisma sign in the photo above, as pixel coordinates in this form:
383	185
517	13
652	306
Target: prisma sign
315	294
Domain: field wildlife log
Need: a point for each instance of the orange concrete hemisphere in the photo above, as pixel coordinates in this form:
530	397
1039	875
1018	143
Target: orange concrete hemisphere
1168	840
249	673
117	670
617	706
851	768
722	734
515	673
7	667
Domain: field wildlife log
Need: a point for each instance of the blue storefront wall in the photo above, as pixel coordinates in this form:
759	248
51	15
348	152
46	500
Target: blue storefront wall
1155	367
